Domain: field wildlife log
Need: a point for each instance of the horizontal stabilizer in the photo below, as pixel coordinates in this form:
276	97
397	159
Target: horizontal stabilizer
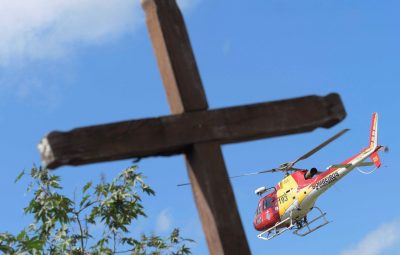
365	164
340	166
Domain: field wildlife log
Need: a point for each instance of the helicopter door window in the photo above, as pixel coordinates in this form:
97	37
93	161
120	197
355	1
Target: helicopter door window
258	209
267	203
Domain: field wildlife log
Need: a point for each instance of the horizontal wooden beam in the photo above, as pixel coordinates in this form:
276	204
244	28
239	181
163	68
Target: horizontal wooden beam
172	134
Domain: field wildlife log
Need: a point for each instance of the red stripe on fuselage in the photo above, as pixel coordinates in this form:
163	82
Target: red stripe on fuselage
298	176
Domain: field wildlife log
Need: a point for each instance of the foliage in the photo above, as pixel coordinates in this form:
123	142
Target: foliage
99	223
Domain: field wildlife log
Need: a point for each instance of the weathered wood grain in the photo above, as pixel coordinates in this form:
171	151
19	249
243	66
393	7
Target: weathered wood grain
172	134
175	56
215	200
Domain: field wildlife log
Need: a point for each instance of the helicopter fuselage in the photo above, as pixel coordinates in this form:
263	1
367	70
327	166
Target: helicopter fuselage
296	194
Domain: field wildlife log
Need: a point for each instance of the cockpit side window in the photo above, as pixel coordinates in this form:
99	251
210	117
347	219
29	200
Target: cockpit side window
267	203
310	173
259	209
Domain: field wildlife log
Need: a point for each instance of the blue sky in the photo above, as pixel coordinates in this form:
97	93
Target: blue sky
65	64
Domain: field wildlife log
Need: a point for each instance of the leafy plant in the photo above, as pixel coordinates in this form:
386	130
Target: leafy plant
65	226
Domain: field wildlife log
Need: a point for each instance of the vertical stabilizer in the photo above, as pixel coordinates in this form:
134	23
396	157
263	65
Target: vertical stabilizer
373	140
373	137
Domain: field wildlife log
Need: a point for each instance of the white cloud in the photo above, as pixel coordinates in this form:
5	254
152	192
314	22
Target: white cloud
49	29
34	32
193	230
43	29
164	221
378	241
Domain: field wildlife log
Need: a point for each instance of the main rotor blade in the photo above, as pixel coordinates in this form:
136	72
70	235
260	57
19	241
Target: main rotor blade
260	172
183	184
322	145
241	175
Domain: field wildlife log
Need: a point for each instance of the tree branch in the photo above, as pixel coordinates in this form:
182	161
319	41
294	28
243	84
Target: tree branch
81	231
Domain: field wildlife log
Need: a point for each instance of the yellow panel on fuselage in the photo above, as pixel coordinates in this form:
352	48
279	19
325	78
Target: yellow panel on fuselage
286	193
303	193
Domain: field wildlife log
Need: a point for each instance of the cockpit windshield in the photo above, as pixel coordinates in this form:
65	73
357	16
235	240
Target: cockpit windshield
264	205
267	203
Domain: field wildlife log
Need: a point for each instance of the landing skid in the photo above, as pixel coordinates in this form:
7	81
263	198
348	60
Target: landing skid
298	225
276	230
306	225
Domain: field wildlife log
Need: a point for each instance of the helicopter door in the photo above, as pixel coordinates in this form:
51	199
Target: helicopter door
267	205
286	194
285	199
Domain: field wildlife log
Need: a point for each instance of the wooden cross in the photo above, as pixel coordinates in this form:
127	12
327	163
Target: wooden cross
192	130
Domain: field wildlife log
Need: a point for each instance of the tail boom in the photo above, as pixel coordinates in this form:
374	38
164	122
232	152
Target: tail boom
357	160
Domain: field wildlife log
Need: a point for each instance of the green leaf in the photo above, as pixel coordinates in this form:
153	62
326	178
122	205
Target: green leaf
22	173
63	226
21	236
35	243
86	187
84	199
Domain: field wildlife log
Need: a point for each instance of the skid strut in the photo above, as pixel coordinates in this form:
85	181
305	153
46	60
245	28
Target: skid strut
307	225
299	225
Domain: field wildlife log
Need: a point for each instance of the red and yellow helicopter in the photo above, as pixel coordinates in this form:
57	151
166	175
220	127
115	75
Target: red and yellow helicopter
286	206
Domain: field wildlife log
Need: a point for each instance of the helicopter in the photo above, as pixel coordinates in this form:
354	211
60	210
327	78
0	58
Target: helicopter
286	206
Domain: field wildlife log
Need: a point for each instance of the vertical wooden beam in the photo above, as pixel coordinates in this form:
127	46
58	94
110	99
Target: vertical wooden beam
207	172
175	57
215	200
